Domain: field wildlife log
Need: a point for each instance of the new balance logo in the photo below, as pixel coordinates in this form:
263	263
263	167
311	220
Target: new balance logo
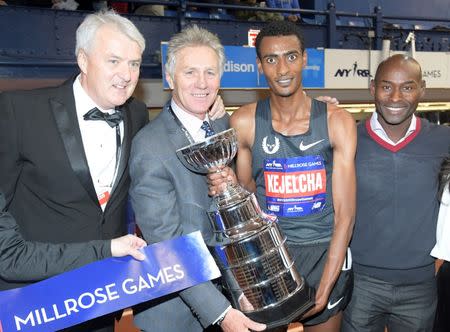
307	146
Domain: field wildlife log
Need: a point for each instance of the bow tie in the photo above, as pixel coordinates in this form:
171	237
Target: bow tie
112	119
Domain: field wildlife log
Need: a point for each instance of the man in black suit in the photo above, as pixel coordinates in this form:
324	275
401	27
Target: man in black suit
65	175
29	260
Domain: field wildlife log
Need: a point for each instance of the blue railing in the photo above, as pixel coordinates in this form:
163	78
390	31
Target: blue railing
37	42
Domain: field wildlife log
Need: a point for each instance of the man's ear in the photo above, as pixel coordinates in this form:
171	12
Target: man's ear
169	80
82	60
423	86
372	88
258	63
305	59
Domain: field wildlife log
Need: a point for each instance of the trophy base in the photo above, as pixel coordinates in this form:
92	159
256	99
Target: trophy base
286	312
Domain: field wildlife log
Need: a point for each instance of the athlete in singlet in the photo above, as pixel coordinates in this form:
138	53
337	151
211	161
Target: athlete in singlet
297	155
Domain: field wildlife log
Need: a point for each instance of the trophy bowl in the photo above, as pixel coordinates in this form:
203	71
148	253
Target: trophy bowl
251	251
216	150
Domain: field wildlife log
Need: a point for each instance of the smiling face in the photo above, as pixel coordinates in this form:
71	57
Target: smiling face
282	60
110	69
397	89
196	79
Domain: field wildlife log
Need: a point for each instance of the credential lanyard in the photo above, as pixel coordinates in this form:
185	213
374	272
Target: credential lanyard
182	127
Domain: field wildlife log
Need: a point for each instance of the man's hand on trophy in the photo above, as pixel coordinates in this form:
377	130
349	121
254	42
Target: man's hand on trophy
219	178
236	321
244	303
128	245
217	109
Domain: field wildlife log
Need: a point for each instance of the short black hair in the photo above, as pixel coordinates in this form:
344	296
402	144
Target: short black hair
279	28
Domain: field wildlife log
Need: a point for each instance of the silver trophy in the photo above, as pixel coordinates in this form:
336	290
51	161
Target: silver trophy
258	272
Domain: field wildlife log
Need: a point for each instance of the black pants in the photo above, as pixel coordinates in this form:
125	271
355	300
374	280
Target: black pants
100	324
442	321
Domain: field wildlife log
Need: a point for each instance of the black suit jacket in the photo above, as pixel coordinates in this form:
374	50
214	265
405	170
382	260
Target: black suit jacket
27	261
44	172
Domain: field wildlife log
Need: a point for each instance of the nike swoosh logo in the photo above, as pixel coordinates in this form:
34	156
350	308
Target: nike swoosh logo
331	306
306	147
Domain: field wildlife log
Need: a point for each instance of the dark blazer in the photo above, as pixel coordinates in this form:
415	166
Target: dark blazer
32	261
44	172
169	200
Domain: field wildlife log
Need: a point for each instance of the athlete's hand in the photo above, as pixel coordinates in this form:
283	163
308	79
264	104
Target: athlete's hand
128	245
218	179
217	109
328	100
236	321
320	303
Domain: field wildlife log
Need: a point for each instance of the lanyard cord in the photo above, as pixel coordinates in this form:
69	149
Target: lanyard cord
183	128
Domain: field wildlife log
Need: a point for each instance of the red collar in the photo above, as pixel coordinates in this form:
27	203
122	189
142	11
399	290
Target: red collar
390	147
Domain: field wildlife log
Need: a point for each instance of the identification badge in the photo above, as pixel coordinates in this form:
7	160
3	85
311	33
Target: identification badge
103	198
296	186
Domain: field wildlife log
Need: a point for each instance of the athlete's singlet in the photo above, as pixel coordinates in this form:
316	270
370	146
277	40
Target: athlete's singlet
293	175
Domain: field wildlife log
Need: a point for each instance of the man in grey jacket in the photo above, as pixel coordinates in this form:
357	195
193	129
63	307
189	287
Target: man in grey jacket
168	199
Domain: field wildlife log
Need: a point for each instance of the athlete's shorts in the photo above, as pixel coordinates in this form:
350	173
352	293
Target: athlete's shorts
310	261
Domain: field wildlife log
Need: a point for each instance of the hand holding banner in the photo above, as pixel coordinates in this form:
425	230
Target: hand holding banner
107	286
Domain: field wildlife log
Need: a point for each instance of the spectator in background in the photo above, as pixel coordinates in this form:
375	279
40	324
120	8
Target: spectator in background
152	10
255	15
119	7
286	4
65	4
442	251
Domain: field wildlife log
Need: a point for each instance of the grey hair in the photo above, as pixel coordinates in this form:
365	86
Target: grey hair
189	37
93	22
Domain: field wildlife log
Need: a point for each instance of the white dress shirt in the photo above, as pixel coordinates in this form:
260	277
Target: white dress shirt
381	133
190	122
99	142
442	248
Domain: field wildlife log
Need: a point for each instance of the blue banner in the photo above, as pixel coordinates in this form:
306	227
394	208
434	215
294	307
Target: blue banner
241	71
313	74
107	286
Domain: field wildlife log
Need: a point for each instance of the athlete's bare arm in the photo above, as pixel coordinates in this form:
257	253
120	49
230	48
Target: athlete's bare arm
243	121
342	133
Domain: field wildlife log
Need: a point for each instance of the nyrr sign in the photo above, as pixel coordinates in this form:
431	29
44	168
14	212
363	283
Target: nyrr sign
353	69
241	70
349	69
